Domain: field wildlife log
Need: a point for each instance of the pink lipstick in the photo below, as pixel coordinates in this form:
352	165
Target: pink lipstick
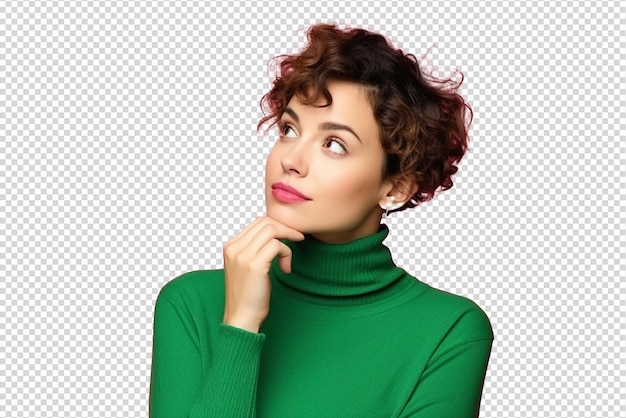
287	194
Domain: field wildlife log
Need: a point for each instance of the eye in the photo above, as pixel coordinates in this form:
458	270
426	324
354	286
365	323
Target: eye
286	130
334	146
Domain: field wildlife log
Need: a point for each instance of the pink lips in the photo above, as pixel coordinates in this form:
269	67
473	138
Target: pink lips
287	194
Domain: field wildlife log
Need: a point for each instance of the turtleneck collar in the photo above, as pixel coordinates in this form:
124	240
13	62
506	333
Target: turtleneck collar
356	271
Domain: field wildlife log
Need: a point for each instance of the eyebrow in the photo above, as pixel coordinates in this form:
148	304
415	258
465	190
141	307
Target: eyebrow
325	126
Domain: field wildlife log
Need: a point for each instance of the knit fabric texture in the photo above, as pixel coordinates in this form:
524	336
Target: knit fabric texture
349	334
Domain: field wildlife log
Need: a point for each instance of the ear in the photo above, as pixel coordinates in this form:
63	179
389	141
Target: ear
399	191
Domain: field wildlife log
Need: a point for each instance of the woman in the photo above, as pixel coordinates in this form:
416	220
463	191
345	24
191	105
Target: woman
310	317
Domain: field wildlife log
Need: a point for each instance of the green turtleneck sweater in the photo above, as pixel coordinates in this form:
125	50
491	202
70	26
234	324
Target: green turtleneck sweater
349	334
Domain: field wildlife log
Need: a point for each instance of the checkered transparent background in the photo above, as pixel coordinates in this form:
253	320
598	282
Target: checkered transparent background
129	156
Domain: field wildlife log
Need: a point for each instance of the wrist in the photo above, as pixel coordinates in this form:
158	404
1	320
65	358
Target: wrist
247	324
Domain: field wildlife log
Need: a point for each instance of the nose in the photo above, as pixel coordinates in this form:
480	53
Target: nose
294	160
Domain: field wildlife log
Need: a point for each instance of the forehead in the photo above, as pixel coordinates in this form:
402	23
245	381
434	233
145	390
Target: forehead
339	90
350	105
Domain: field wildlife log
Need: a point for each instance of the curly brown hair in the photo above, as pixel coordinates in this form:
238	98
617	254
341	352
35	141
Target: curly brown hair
423	120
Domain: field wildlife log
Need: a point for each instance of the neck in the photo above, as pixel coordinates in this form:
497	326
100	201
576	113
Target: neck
357	271
370	226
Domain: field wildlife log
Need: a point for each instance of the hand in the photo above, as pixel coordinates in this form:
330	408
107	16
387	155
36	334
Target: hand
247	260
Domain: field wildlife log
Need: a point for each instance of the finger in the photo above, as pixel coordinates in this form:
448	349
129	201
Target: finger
242	240
273	249
254	225
246	235
284	231
269	232
284	262
300	235
261	231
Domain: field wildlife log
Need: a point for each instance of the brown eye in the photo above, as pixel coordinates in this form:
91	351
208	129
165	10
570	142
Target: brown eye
334	146
286	130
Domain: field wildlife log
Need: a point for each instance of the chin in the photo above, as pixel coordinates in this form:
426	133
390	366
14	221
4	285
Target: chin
290	219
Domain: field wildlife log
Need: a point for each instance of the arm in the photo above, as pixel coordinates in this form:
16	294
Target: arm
452	383
180	388
206	369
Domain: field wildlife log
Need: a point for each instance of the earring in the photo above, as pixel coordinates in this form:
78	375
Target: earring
388	206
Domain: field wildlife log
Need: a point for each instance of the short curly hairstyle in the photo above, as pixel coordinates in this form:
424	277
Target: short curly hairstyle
423	121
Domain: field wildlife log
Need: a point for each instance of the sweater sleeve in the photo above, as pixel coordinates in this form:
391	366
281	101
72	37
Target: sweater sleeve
179	386
451	386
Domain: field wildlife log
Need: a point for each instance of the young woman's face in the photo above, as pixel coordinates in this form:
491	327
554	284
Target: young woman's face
333	158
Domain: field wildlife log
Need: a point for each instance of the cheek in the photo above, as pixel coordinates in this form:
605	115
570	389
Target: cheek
272	163
356	184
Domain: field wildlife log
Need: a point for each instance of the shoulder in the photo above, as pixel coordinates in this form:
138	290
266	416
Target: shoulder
454	316
189	309
465	320
194	287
